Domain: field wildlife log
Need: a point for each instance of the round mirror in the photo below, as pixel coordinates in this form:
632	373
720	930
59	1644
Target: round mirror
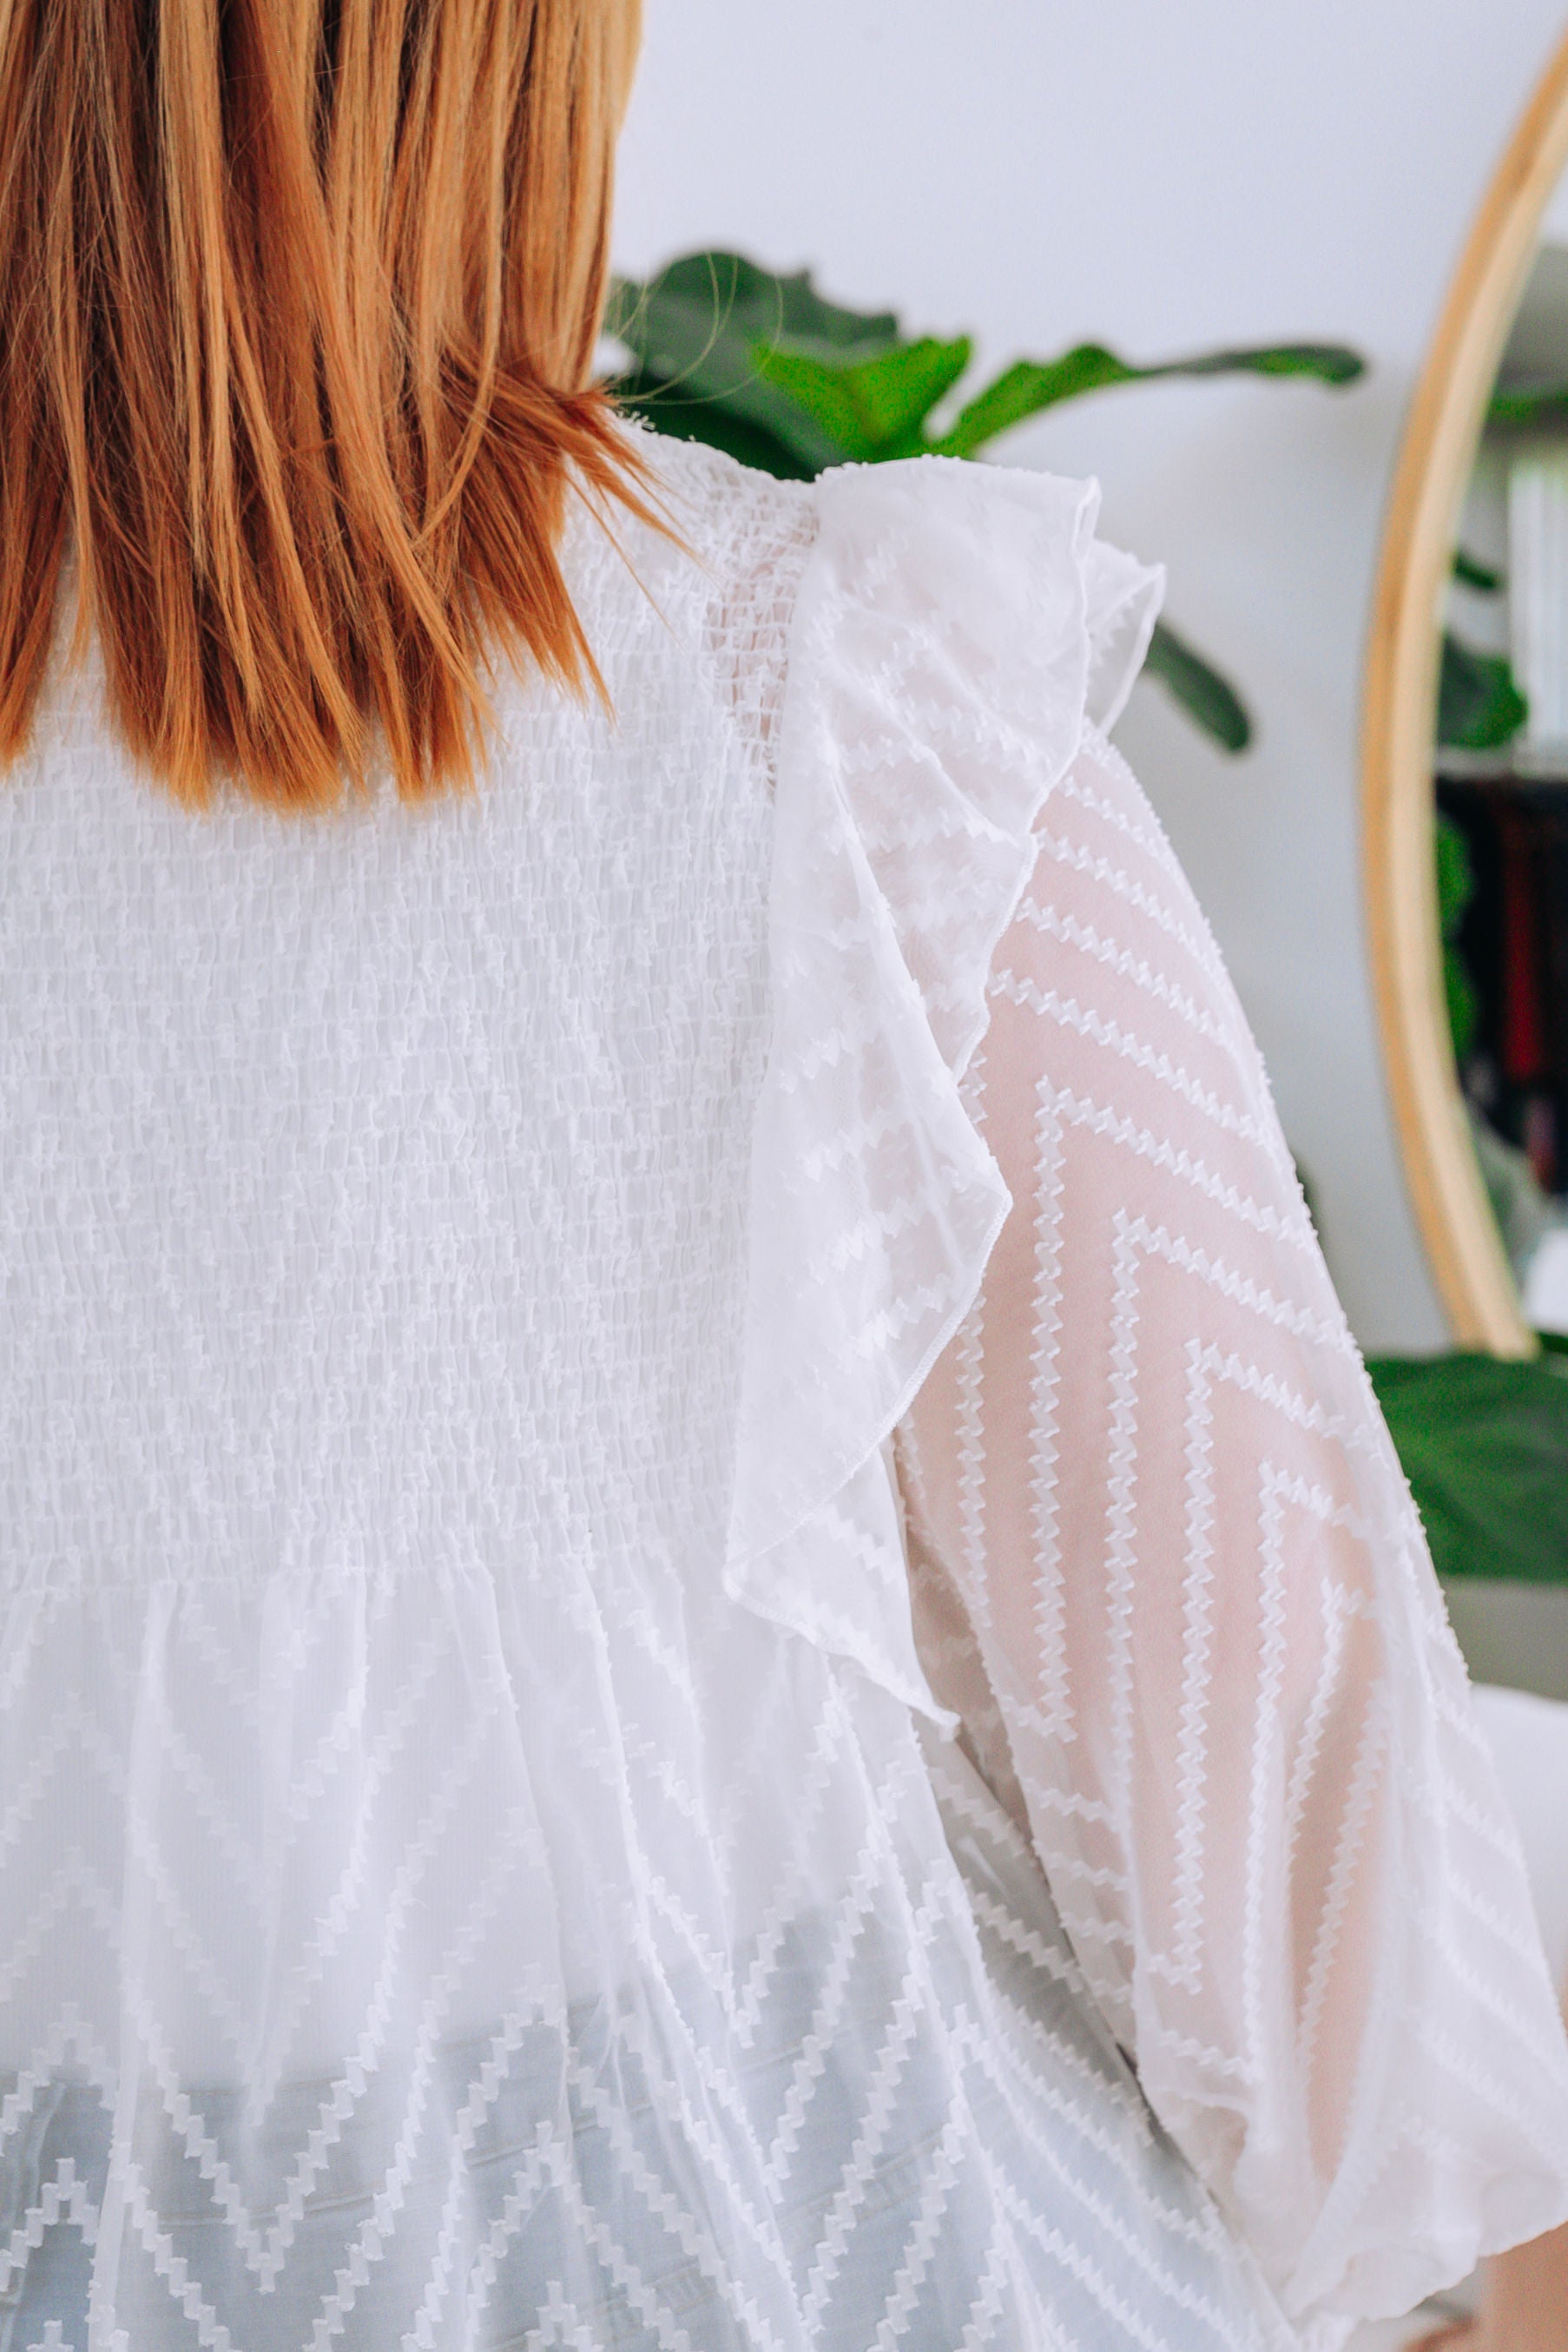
1466	762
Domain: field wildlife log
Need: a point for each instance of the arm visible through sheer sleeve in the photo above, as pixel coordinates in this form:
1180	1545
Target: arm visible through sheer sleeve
1205	1657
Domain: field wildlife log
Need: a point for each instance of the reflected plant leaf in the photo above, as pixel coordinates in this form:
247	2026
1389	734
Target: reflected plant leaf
1479	706
1471	572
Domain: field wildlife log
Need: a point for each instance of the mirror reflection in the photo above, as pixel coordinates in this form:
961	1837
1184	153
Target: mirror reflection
1501	780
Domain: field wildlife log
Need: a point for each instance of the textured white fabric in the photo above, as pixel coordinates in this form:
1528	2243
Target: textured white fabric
481	1860
945	648
1189	1612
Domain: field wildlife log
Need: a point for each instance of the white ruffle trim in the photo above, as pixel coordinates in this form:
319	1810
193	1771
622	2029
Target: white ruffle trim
956	629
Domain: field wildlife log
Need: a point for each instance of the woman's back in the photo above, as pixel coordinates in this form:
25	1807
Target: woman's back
406	1143
481	1859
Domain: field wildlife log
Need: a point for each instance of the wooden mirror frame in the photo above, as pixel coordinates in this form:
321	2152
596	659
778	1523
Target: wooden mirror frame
1398	800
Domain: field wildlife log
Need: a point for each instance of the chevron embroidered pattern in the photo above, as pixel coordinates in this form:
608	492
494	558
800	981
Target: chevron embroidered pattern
1180	1600
504	1302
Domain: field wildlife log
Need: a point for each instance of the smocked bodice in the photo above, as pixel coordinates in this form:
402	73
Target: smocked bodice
375	1193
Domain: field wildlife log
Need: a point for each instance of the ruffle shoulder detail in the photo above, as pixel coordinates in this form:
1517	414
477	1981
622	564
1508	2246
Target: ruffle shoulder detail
955	629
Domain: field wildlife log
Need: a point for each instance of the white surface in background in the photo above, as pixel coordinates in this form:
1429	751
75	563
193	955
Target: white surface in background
1546	1283
1529	1736
1538	591
1556	221
1162	178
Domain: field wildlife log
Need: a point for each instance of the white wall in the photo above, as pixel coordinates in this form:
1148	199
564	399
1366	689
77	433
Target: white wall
1161	177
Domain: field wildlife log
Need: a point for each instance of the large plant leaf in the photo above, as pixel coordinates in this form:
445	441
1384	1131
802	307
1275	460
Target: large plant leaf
1028	386
875	408
1484	1444
1480	707
715	422
748	415
729	296
1200	689
692	333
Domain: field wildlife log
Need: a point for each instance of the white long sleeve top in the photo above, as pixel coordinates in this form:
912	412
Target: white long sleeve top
706	1636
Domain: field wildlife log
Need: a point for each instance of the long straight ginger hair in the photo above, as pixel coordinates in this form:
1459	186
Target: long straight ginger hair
298	307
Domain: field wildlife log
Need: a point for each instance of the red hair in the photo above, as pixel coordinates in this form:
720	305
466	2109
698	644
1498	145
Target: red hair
298	307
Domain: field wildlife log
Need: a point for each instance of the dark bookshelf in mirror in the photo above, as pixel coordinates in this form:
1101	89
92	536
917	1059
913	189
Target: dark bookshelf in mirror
1506	926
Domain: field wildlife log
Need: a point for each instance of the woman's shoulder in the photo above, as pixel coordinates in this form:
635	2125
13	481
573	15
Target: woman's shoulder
705	590
997	563
730	518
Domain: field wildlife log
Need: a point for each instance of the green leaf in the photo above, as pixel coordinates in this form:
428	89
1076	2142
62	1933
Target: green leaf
1199	689
1463	1003
737	298
1456	875
1475	573
1456	889
874	409
713	421
1540	404
1028	386
1334	363
693	329
1480	707
1484	1444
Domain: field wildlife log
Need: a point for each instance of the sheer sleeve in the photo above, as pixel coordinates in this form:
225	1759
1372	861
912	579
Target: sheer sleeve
1168	1572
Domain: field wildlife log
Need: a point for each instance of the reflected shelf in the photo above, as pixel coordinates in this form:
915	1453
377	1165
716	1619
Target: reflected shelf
1514	767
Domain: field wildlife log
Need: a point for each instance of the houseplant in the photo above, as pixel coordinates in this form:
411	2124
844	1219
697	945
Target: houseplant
764	367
